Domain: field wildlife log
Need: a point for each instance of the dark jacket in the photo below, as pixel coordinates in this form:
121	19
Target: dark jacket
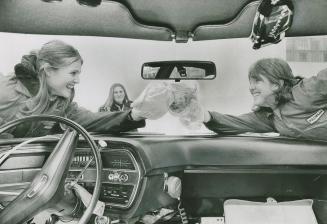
117	107
303	117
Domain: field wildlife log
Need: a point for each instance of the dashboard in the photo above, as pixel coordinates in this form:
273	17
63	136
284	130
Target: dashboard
121	174
211	169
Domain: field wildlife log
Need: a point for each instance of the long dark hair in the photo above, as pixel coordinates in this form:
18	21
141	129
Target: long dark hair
110	101
275	70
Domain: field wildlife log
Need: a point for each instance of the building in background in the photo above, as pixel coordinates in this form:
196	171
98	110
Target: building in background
306	49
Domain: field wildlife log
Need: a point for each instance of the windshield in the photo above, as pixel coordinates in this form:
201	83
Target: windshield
114	60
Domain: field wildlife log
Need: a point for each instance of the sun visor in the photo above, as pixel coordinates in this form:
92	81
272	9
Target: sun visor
240	26
111	19
305	22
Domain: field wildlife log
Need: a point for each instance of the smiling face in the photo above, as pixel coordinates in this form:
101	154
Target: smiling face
61	81
119	94
263	92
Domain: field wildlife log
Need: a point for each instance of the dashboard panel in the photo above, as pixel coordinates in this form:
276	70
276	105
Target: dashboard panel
121	175
211	170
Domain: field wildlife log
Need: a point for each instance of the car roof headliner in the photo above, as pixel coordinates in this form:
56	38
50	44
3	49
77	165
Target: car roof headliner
153	19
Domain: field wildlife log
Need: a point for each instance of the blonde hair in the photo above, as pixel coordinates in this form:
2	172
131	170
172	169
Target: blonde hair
53	55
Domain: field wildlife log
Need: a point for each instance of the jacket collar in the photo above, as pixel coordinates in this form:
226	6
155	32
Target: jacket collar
20	88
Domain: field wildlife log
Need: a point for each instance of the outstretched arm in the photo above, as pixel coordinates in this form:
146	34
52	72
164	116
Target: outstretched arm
227	124
113	122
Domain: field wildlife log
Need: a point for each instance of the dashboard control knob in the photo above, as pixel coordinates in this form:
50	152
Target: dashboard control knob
116	176
124	177
101	220
111	177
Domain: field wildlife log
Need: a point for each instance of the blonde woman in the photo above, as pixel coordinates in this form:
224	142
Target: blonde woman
43	83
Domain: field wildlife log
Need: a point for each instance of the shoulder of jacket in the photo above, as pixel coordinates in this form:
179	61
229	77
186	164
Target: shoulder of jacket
313	84
323	73
10	88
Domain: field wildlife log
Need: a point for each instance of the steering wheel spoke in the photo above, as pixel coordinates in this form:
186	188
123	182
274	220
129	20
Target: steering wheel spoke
47	186
47	189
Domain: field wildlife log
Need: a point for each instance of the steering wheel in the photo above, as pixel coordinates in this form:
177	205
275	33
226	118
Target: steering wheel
47	187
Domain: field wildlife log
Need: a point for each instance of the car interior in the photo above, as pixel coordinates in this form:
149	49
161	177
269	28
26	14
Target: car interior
152	175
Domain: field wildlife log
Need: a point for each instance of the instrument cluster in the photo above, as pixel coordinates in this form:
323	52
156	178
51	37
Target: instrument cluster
120	175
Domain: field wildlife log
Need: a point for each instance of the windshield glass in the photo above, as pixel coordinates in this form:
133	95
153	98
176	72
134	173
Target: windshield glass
114	60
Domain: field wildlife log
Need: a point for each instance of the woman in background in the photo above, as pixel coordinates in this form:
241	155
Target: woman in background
117	100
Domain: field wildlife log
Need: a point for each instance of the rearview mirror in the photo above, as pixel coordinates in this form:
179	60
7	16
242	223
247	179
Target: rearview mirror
178	70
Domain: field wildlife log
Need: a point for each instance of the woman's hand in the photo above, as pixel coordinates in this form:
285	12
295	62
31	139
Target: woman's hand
153	102
193	115
136	116
186	105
